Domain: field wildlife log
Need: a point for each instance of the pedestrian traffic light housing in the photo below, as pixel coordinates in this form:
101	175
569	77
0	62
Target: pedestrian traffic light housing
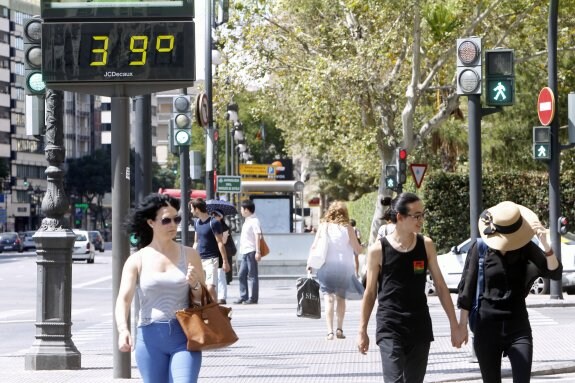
401	166
182	120
469	66
562	223
35	84
500	77
391	177
542	142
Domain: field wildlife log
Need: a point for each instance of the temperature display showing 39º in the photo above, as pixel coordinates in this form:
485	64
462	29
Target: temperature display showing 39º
118	51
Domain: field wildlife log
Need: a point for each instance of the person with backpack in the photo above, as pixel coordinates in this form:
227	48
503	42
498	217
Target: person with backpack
209	242
511	262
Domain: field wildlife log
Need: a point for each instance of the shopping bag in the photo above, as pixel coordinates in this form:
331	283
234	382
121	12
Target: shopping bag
318	250
308	299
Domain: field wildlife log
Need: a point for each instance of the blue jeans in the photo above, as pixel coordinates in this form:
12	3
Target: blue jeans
249	274
162	356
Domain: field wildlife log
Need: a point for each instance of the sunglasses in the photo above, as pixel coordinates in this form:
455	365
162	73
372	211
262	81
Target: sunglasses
166	221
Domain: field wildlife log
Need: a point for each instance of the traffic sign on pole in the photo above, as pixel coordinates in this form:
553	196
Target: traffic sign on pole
229	184
546	106
418	171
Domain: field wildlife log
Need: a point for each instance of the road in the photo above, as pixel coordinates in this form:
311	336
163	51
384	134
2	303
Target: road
274	346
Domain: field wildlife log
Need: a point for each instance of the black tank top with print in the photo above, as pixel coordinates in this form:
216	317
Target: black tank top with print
402	312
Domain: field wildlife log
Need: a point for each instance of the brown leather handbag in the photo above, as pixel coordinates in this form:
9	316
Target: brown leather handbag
208	326
264	249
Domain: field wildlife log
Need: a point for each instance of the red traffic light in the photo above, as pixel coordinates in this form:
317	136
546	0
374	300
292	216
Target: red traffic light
402	154
563	220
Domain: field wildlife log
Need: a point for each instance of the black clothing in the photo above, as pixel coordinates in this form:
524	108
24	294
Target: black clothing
402	312
503	326
403	363
494	339
505	281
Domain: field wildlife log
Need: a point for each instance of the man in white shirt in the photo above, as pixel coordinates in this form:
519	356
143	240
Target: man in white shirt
250	249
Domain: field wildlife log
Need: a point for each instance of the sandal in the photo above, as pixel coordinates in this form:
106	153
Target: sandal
329	336
339	334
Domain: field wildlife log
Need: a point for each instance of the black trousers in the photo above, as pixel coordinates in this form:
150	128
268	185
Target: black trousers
403	363
496	339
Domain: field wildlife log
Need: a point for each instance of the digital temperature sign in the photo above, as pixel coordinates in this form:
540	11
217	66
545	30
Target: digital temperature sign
118	52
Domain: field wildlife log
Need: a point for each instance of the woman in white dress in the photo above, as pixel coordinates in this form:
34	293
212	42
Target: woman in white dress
337	276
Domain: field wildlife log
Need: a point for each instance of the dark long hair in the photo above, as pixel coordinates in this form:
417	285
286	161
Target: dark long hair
399	205
137	221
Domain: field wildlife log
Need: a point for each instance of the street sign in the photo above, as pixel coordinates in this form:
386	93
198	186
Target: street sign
546	106
542	151
81	206
229	184
418	171
257	170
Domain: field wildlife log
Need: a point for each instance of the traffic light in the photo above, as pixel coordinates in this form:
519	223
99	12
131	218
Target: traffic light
33	56
500	77
401	166
182	120
469	66
562	223
542	142
391	177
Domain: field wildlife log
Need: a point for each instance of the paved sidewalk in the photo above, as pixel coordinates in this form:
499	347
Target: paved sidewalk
275	346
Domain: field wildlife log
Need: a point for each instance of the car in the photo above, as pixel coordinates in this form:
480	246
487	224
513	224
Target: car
453	262
10	241
97	240
83	249
28	242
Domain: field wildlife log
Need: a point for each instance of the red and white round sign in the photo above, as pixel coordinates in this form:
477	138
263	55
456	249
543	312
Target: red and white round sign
546	106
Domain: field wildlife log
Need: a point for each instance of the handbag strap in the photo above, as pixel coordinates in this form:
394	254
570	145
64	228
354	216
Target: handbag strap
482	248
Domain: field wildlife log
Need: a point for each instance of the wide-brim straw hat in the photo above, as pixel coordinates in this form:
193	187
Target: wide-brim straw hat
507	226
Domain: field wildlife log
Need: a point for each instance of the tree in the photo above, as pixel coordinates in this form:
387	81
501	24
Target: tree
349	81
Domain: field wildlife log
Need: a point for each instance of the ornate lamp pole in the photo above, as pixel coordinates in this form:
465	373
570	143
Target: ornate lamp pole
53	348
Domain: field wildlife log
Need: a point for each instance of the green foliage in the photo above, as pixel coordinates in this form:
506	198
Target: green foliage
362	211
447	200
89	176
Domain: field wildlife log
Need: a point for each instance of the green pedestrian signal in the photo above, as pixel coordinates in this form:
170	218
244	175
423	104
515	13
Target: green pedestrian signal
542	151
500	77
390	183
499	92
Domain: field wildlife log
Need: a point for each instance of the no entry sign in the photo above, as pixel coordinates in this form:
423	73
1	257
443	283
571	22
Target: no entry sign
546	106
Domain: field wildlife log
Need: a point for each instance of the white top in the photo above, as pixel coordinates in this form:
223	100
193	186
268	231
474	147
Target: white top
248	238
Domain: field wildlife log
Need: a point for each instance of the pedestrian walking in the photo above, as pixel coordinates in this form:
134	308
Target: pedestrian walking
337	276
512	261
388	227
163	272
209	242
397	265
250	249
226	236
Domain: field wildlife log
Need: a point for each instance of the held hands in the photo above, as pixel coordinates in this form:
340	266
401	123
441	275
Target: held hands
459	335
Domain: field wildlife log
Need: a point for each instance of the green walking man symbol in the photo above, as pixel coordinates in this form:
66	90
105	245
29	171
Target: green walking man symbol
500	89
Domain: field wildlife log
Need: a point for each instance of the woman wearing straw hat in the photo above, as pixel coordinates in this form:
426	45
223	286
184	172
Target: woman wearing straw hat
511	262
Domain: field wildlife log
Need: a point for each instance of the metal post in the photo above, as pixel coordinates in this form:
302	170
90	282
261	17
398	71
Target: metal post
554	164
53	348
185	192
475	175
143	146
210	129
120	207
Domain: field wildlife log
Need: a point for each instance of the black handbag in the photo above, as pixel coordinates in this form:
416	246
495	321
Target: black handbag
308	298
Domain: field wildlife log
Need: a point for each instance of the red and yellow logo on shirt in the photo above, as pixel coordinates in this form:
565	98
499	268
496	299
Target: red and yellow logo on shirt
418	267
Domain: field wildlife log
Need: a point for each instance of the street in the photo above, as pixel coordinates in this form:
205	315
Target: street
274	345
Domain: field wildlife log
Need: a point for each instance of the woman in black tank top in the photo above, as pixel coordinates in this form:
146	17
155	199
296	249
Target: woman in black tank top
396	274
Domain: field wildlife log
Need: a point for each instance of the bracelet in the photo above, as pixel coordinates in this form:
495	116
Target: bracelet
122	329
549	253
197	286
